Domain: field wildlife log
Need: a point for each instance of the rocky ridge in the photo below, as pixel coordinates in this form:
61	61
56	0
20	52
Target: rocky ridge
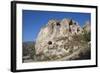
62	40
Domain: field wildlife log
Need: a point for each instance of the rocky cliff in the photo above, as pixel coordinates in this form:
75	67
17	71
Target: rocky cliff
62	40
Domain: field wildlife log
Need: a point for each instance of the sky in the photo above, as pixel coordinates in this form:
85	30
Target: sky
33	21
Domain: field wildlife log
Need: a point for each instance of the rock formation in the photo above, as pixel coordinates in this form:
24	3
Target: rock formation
87	26
61	40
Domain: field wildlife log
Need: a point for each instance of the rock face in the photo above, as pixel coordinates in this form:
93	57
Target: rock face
87	26
60	40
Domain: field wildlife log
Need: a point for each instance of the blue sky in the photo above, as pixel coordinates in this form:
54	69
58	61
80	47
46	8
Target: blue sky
34	20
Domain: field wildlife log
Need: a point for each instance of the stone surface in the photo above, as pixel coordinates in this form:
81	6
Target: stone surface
56	41
87	26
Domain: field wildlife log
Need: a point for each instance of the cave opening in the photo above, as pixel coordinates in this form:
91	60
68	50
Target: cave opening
58	24
50	42
71	22
78	30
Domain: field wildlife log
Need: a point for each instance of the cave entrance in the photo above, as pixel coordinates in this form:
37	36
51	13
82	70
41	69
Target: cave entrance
58	24
50	42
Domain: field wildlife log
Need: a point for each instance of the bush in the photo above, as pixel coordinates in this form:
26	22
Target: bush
87	36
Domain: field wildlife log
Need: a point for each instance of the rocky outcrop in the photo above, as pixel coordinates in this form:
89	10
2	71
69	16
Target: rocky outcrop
87	26
60	39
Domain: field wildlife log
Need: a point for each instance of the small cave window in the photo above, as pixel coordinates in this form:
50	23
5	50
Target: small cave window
78	30
58	24
49	42
71	22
